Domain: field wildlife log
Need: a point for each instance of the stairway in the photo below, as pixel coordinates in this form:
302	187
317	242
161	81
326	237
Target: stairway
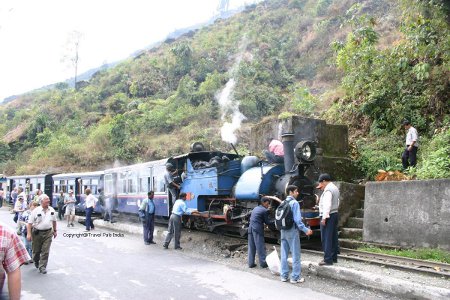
350	236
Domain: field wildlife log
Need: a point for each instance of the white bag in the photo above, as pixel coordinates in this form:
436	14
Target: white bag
274	262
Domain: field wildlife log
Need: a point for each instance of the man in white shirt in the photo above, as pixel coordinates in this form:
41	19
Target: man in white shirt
329	218
41	228
412	145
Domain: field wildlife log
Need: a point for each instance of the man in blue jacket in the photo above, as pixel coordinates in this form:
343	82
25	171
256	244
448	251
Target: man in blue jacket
290	239
259	217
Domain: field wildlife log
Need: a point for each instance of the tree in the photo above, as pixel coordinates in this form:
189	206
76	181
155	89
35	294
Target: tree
71	52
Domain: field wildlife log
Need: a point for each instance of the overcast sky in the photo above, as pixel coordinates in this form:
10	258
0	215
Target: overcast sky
34	34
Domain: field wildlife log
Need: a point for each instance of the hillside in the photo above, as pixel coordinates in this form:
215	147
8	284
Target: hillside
325	58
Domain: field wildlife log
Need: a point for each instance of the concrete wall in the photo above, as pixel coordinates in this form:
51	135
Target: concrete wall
408	213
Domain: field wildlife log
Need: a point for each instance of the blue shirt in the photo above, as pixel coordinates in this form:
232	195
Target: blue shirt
180	208
151	206
297	214
148	205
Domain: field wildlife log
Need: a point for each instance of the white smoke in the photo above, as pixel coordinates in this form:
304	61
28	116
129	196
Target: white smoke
228	105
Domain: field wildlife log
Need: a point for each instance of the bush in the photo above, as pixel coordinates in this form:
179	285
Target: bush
435	157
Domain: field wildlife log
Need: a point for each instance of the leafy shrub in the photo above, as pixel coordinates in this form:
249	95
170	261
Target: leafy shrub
434	160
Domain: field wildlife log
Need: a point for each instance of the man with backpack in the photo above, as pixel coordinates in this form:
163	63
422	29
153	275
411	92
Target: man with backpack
288	219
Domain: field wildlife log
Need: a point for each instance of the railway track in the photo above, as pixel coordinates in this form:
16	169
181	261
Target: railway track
402	263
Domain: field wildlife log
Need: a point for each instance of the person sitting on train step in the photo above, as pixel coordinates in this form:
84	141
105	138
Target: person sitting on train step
69	202
148	206
171	185
275	153
179	209
259	217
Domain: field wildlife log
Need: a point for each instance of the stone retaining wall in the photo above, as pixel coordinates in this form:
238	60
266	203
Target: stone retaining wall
408	213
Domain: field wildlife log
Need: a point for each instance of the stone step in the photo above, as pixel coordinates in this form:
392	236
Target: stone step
351	233
354	222
359	213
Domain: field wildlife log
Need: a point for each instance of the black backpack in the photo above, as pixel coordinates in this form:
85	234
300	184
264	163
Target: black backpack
284	217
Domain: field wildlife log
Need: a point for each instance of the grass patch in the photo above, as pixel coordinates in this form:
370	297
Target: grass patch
424	254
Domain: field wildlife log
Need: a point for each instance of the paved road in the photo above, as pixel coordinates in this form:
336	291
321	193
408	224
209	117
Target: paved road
113	265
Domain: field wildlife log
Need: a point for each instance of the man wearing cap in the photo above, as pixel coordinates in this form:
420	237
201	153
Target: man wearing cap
69	202
171	185
412	145
40	229
328	211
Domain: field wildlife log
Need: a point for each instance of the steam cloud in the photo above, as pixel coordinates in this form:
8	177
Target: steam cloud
228	105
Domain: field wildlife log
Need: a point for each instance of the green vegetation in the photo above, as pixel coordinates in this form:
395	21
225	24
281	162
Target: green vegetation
385	85
424	254
387	61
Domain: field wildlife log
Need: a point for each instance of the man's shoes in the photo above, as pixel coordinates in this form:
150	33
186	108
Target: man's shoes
146	243
300	280
152	242
252	266
36	264
264	265
178	248
334	261
283	279
26	263
324	263
31	261
68	225
166	247
42	271
71	224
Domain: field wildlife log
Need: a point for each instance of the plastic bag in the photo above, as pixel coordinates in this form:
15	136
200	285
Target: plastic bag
274	262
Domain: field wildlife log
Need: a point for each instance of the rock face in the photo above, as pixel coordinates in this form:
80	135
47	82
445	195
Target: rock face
331	141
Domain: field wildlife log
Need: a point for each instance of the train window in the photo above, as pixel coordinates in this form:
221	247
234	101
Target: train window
56	189
141	185
122	183
108	184
162	185
94	181
71	182
131	185
31	187
71	188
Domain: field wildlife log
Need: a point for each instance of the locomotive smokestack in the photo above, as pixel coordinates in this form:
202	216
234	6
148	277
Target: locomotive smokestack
288	145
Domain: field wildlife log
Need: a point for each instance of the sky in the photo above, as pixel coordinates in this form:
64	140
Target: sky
34	34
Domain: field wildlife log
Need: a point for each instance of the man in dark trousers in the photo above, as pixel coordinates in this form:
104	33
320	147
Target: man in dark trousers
328	210
259	217
149	222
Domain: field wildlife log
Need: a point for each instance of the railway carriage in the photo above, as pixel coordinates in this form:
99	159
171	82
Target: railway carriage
125	187
78	182
31	183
